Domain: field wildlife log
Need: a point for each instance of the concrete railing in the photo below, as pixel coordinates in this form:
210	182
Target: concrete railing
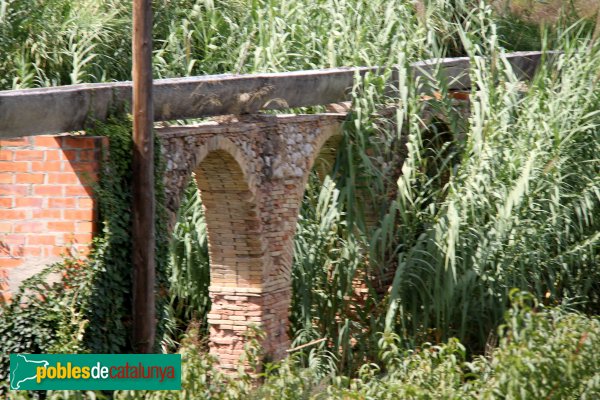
70	108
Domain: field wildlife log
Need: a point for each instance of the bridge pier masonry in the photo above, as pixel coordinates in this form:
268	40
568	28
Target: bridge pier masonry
251	174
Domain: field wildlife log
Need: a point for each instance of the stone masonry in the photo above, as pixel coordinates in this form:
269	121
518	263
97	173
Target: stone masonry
251	173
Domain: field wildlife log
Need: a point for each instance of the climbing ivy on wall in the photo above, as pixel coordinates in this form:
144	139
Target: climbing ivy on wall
110	299
88	308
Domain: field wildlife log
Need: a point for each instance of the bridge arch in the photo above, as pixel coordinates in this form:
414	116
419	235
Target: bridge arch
232	216
236	248
252	176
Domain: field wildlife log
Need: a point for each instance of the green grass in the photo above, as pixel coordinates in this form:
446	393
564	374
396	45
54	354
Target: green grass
58	42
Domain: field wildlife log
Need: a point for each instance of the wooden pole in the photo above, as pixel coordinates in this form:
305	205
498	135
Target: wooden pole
143	236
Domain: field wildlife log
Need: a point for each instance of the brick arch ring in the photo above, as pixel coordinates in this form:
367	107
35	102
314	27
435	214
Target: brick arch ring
251	174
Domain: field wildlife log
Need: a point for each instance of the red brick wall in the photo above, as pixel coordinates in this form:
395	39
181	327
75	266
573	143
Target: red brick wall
46	201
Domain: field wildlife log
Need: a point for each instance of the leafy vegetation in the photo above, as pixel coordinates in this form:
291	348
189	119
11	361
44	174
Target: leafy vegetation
109	308
542	353
189	274
460	203
52	321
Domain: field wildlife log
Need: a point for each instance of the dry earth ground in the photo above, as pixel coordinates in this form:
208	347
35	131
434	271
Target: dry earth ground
543	11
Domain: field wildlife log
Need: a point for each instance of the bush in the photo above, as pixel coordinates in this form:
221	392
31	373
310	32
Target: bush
46	315
543	352
546	354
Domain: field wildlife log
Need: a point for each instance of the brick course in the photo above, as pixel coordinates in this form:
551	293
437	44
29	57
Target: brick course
251	174
46	201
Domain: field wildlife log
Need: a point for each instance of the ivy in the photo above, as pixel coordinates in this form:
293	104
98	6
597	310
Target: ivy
110	302
80	306
46	314
111	261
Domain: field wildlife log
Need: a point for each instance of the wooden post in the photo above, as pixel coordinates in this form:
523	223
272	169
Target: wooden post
143	236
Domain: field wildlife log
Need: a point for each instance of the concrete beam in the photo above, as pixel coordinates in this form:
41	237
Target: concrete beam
70	108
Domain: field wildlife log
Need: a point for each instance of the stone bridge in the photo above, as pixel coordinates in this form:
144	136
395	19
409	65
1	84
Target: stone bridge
251	171
251	174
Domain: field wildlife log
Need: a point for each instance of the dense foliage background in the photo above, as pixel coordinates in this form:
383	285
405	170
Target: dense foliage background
459	210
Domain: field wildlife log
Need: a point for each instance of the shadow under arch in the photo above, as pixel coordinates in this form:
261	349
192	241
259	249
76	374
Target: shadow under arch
323	159
236	250
251	176
237	253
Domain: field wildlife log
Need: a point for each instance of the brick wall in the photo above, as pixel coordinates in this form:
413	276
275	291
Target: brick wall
251	175
46	202
234	311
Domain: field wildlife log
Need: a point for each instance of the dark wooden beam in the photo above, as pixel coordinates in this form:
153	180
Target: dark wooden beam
143	237
69	108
